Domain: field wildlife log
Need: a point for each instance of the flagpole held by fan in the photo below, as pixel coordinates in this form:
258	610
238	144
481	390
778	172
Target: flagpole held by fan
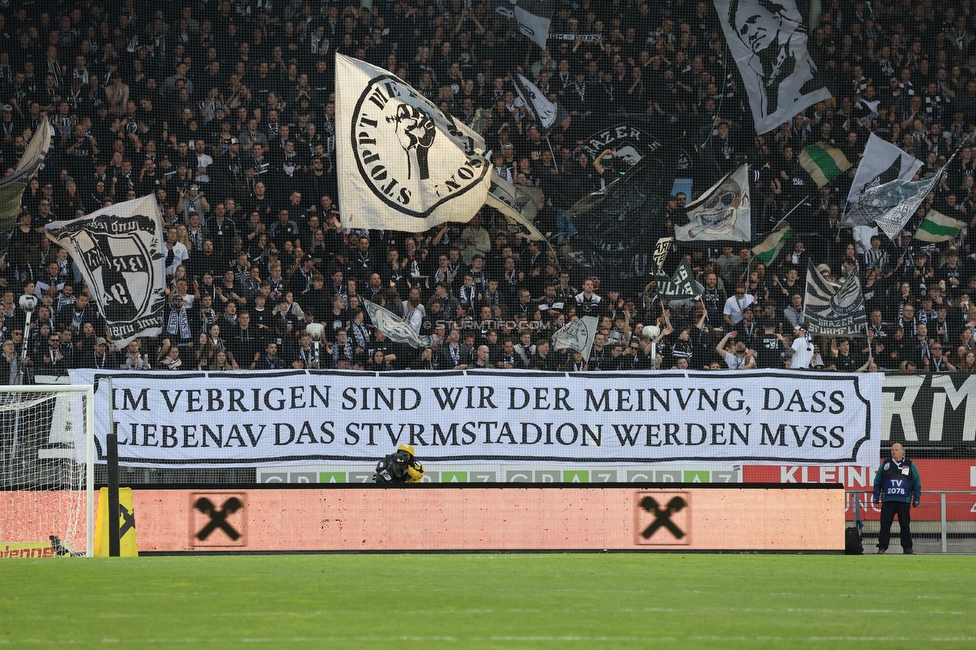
752	256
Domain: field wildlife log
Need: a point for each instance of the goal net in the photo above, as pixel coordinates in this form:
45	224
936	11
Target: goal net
46	477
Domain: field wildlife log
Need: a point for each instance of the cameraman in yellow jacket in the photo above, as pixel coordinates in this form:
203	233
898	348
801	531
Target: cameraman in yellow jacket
399	467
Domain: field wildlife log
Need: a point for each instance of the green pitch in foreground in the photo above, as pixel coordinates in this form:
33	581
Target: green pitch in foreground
493	601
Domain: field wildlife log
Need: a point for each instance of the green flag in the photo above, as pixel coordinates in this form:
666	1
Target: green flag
770	247
936	227
823	163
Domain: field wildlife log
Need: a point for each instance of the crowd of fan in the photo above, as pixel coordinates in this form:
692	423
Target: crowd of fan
226	112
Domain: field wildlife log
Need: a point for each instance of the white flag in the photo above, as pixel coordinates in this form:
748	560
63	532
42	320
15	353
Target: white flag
119	252
769	44
578	335
549	114
12	186
531	17
403	163
882	163
723	212
518	204
395	328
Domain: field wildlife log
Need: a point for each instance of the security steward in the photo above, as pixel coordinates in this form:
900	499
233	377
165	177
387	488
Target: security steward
897	485
399	467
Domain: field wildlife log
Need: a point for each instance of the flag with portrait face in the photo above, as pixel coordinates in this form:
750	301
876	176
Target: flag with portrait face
768	41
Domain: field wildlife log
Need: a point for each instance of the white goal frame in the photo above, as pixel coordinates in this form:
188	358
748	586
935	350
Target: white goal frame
89	391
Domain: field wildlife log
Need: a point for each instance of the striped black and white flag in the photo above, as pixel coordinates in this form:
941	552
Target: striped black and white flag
833	309
403	163
119	250
530	17
768	42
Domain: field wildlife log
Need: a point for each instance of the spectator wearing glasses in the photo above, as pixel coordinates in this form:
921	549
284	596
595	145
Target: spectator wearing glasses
50	359
937	360
735	305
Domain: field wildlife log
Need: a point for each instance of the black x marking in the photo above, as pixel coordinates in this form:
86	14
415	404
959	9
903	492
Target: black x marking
218	518
128	521
662	516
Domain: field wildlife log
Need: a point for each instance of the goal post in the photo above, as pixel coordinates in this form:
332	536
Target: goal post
47	479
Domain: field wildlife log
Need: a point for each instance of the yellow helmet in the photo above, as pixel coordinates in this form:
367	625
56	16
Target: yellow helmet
406	448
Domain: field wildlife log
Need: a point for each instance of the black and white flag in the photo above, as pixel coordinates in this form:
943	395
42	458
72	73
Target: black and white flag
119	250
395	328
530	17
632	141
518	204
661	250
768	41
403	163
882	163
578	335
548	114
891	205
12	186
723	212
833	309
681	287
619	224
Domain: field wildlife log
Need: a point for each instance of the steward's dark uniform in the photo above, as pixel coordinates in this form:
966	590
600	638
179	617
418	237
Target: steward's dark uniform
899	488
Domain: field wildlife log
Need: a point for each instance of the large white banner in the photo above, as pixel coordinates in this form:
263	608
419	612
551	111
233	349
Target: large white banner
403	163
769	44
256	418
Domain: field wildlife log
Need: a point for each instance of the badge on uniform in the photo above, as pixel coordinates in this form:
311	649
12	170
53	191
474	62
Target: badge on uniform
904	470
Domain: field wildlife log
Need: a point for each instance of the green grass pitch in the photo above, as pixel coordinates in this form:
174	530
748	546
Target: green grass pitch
492	601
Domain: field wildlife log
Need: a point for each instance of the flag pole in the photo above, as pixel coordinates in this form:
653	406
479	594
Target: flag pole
552	151
774	229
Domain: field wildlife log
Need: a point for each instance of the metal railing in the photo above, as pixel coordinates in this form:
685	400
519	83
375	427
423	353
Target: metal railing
945	521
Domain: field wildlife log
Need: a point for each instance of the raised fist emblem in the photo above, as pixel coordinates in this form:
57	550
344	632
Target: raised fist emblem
415	130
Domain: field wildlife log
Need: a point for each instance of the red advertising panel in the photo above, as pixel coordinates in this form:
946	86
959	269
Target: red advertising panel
956	477
491	518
